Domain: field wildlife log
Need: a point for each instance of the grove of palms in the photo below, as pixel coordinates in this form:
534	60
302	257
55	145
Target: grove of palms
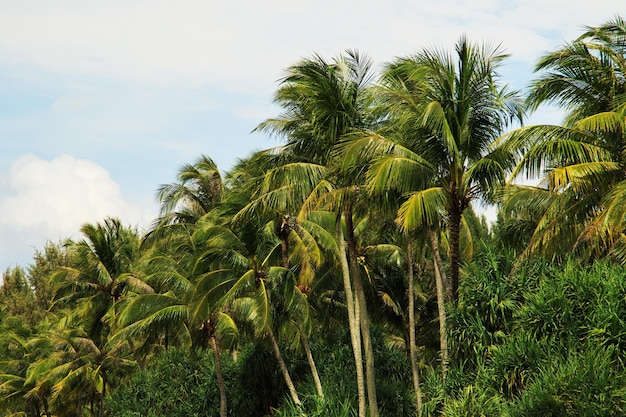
347	271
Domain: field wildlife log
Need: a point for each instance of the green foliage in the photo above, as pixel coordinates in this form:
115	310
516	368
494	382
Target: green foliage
178	384
586	383
183	384
558	352
16	296
336	366
238	263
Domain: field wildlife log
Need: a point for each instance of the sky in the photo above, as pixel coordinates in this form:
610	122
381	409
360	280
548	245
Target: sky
103	101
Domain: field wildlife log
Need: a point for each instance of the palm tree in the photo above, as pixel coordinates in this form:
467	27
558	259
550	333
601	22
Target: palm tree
585	77
74	370
445	113
301	240
88	293
185	296
100	275
198	190
242	279
580	164
15	358
323	102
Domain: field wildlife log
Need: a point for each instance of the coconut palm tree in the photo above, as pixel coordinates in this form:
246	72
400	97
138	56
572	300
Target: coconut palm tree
198	190
445	112
100	275
304	244
322	102
74	370
183	304
243	279
16	355
581	163
585	77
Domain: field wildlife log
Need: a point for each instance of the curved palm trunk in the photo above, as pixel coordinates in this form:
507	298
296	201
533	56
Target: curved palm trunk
353	320
220	376
441	302
309	357
412	338
305	342
283	368
438	262
370	369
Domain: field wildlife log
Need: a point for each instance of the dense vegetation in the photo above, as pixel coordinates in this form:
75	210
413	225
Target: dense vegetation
345	272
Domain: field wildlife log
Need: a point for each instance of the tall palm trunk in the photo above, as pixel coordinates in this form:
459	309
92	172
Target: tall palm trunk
353	320
441	301
455	254
309	357
412	338
284	235
79	407
283	368
220	375
438	262
370	369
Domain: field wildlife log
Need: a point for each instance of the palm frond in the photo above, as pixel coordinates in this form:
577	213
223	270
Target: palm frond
422	208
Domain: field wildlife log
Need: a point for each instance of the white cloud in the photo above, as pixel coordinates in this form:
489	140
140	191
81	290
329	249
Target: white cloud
244	45
53	199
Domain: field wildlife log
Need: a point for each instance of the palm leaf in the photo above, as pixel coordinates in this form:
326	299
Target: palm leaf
422	208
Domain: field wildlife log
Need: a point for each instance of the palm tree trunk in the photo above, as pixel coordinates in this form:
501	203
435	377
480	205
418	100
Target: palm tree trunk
370	369
303	338
34	407
309	357
438	262
353	320
412	338
455	255
220	376
441	302
80	405
32	410
283	368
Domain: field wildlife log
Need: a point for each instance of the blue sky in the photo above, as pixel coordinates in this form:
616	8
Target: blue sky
101	102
